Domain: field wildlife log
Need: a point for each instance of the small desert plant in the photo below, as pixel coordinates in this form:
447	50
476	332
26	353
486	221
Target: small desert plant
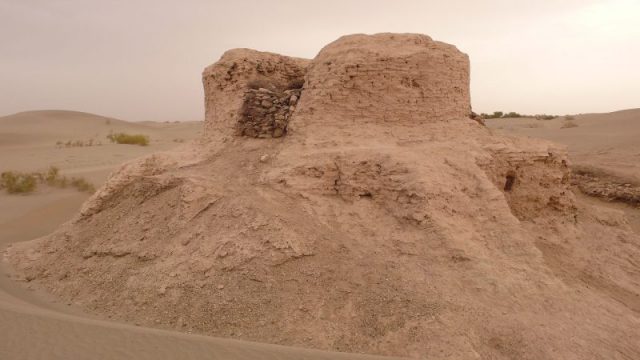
77	143
568	124
17	183
135	139
52	175
545	117
82	185
569	117
52	178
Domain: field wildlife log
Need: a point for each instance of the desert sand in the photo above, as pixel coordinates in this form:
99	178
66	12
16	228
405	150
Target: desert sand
362	212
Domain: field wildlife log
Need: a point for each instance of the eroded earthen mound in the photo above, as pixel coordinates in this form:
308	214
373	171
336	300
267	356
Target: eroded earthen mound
380	218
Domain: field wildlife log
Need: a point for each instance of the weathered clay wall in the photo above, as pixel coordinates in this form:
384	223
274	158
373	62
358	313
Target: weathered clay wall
350	82
395	78
227	81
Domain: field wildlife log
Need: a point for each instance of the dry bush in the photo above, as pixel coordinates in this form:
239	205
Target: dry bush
82	184
569	117
53	178
568	124
17	183
77	143
129	139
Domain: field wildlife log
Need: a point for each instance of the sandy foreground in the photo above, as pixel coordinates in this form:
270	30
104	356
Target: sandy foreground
35	326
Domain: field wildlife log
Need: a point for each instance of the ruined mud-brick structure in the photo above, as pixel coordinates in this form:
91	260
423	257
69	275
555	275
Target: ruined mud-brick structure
350	203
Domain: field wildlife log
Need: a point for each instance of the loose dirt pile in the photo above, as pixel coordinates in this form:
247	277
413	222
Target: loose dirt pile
385	221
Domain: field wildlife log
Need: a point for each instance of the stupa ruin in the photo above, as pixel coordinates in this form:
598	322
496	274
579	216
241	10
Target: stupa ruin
350	203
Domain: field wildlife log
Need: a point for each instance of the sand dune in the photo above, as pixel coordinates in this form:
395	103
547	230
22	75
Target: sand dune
28	141
33	332
46	125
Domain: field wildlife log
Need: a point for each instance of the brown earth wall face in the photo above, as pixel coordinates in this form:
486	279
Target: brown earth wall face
361	79
355	80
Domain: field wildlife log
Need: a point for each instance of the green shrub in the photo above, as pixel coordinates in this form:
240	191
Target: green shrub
17	183
82	185
135	139
77	143
52	175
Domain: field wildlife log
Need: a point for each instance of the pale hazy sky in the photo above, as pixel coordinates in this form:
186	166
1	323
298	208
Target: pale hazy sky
142	59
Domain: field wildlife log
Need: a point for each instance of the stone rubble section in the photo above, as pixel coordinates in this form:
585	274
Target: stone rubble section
227	81
266	113
610	188
386	221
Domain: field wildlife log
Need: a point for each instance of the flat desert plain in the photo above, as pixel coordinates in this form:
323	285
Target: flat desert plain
35	326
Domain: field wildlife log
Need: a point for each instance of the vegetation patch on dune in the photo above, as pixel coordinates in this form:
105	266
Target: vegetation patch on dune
129	139
17	183
77	143
23	183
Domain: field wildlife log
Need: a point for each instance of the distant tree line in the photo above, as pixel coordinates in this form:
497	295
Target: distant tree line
500	114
